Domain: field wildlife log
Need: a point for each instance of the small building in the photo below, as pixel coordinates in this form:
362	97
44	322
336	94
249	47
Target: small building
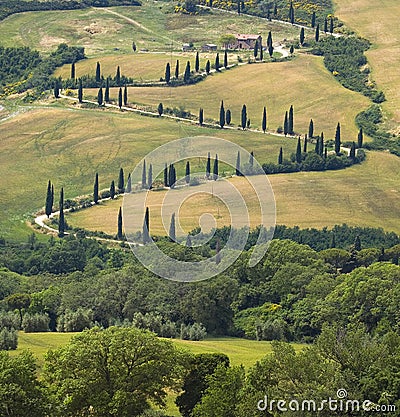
209	47
243	41
186	47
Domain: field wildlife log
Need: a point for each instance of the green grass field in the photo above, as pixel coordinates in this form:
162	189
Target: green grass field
378	22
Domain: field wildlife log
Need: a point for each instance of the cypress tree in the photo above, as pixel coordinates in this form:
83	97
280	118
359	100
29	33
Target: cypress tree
244	117
248	123
226	59
238	6
208	66
290	121
360	138
208	166
228	117
201	116
128	188
177	69
298	151
311	129
251	159
56	89
325	25
112	190
217	62
222	115
150	177
286	124
313	18
280	156
187	172
168	73
107	91
261	52
119	232
238	167
120	98
197	62
73	71
146	227
121	181
269	39
317	33
172	229
98	73
52	195
80	91
305	143
160	109
118	77
302	36
186	76
291	50
255	51
172	176
321	144
49	203
291	13
331	25
264	120
166	184
317	146
325	152
215	168
96	189
352	154
271	50
144	179
100	97
125	95
337	139
61	219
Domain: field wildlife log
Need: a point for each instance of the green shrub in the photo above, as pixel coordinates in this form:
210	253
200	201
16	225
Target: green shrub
8	339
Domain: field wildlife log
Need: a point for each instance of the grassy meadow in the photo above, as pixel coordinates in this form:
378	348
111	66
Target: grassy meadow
378	22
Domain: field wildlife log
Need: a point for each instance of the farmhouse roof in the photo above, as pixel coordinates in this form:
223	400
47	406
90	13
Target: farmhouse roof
242	37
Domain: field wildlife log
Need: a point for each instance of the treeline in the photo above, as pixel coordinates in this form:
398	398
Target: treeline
344	57
8	7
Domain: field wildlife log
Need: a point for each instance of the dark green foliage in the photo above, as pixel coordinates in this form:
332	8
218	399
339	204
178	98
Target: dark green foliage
117	78
166	184
357	243
167	73
80	91
146	227
298	152
325	25
186	76
317	33
311	129
150	177
160	109
215	168
172	176
201	117
125	95
286	124
291	13
128	188
172	229
98	72
107	91
119	232
226	59
100	97
238	168
112	190
270	50
228	117
305	143
208	166
96	189
217	64
177	69
222	115
121	181
56	89
195	382
8	340
120	98
302	36
291	121
255	51
291	49
208	66
33	323
61	220
264	120
269	39
73	71
197	63
352	154
244	117
251	159
144	174
280	156
187	172
360	138
313	20
337	139
49	200
331	25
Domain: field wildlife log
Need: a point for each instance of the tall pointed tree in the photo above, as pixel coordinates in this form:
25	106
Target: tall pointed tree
238	169
150	177
197	62
313	20
222	115
49	203
144	175
321	144
325	25
298	151
270	50
317	33
172	229
120	98
208	166
280	156
118	77
61	219
73	71
305	143
52	195
80	91
160	109
286	124
251	159
291	13
168	73
217	65
255	51
128	188
112	190
337	139
244	117
215	168
360	138
264	120
311	129
98	72
352	153
302	36
269	39
96	189
177	69
119	232
121	181
125	95
186	76
226	59
56	89
146	227
100	96
291	121
331	25
166	184
228	117
208	66
107	91
201	116
187	172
